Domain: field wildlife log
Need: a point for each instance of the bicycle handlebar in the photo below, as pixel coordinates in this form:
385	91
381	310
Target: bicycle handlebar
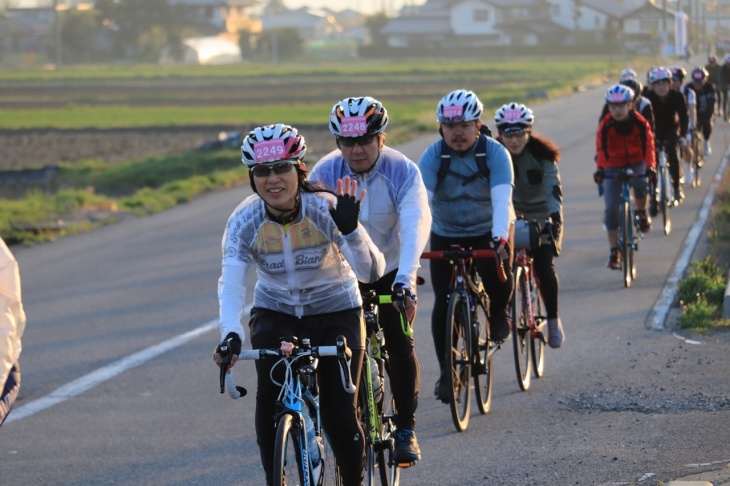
372	298
340	350
464	254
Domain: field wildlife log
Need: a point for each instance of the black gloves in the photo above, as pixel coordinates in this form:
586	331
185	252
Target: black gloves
598	176
400	287
233	341
557	224
345	214
651	174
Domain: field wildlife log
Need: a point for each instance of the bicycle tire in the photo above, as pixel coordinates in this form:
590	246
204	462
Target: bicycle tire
521	334
664	201
538	342
458	360
482	367
288	451
625	241
330	469
697	162
389	470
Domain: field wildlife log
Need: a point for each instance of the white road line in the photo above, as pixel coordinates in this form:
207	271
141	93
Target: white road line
659	312
94	378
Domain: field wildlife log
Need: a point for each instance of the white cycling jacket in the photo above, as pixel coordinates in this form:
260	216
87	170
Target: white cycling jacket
12	315
305	268
395	212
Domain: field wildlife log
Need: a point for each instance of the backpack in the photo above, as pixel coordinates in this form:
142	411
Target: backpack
480	155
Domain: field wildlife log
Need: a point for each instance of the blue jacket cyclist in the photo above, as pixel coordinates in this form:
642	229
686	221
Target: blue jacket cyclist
469	180
397	218
309	251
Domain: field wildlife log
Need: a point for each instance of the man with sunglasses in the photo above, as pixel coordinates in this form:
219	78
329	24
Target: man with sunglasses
397	218
471	203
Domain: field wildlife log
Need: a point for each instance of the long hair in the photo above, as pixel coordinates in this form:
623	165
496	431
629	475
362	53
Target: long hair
542	148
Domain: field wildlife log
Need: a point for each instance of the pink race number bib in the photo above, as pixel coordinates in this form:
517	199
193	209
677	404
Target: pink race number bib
512	115
268	150
354	126
452	112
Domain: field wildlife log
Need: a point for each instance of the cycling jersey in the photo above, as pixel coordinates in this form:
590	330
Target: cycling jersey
12	326
666	112
300	266
705	96
395	211
537	193
622	143
472	208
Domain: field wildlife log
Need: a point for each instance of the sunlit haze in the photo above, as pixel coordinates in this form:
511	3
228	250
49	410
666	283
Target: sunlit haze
362	6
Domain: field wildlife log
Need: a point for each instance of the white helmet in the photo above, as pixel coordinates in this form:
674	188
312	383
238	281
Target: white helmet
627	73
459	106
659	74
272	143
513	114
618	93
356	117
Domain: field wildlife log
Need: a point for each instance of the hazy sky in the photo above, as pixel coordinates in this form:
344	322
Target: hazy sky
363	6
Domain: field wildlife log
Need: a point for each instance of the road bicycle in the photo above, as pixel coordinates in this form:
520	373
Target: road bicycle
469	349
298	407
527	308
661	190
629	230
376	406
698	156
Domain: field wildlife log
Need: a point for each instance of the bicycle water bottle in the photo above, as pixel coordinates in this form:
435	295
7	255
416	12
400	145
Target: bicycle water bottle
377	381
315	446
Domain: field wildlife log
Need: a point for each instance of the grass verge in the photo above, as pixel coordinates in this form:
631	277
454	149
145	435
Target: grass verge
105	192
702	291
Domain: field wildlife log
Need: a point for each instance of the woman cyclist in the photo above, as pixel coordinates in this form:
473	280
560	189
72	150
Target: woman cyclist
537	195
309	252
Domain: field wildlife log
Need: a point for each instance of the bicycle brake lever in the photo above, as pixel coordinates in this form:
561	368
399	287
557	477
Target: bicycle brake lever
225	352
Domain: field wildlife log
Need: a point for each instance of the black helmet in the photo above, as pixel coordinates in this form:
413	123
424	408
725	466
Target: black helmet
699	74
635	86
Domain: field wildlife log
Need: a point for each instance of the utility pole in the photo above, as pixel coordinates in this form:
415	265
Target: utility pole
57	34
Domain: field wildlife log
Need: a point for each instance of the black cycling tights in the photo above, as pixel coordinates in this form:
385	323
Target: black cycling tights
542	264
499	292
404	370
670	144
337	407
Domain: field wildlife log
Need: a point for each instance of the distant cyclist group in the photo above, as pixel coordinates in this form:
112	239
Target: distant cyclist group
643	133
358	222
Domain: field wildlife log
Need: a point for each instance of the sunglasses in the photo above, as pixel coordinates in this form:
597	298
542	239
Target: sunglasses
350	142
514	134
278	168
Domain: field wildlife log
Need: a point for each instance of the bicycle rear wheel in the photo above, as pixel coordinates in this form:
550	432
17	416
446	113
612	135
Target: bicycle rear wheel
626	247
521	321
330	469
537	343
458	360
697	162
288	452
482	367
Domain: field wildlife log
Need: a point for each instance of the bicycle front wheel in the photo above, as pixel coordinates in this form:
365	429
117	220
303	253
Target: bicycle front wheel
288	453
388	469
482	367
626	247
521	334
664	201
458	360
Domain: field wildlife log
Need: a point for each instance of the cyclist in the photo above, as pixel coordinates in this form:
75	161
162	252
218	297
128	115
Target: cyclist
308	254
678	75
537	195
668	106
723	81
713	73
469	179
12	326
397	218
705	106
624	139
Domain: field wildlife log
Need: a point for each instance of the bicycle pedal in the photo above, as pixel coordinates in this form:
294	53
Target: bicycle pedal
406	465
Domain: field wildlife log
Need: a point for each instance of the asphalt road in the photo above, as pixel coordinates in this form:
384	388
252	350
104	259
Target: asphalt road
119	386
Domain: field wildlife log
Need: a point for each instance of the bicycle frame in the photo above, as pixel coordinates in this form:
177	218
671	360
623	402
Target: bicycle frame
629	230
